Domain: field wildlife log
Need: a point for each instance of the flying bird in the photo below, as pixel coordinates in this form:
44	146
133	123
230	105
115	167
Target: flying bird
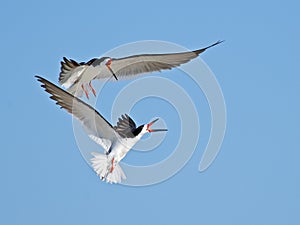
115	140
77	77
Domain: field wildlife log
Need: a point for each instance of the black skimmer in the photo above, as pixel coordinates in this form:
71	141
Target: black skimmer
116	140
77	77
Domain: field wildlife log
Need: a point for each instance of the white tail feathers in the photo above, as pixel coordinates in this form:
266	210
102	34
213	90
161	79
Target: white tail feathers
100	164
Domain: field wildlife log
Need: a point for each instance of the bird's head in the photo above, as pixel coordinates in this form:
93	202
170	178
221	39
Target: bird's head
146	128
107	61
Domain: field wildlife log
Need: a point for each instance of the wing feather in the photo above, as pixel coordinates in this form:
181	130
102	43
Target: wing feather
94	123
125	126
146	63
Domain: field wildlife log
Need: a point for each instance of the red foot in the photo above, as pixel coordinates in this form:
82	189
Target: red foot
85	91
93	90
112	167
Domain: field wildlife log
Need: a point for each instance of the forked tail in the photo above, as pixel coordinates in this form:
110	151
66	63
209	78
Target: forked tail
102	165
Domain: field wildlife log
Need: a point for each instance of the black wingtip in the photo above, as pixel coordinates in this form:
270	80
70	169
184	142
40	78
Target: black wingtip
42	80
39	78
218	42
203	49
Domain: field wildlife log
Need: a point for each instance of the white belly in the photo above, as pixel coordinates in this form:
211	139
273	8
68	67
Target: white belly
121	148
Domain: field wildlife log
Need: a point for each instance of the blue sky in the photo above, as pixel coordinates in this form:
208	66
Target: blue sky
255	178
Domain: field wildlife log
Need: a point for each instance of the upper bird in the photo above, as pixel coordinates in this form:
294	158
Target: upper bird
115	140
77	77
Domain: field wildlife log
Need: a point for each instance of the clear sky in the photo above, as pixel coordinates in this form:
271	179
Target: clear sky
254	180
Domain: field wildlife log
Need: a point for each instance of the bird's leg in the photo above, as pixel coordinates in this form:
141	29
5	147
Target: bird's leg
112	165
93	90
85	91
108	171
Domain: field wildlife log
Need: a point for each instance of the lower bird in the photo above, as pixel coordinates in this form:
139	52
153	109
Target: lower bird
77	77
115	140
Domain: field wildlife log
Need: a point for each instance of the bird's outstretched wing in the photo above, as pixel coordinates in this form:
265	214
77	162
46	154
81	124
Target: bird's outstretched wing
125	127
74	74
146	63
94	123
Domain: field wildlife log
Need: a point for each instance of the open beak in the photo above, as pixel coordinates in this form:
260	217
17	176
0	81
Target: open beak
154	130
108	66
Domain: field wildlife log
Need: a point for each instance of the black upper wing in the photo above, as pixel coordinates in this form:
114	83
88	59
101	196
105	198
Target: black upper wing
125	127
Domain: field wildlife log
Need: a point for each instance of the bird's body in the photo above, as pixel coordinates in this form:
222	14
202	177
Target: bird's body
116	141
77	77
